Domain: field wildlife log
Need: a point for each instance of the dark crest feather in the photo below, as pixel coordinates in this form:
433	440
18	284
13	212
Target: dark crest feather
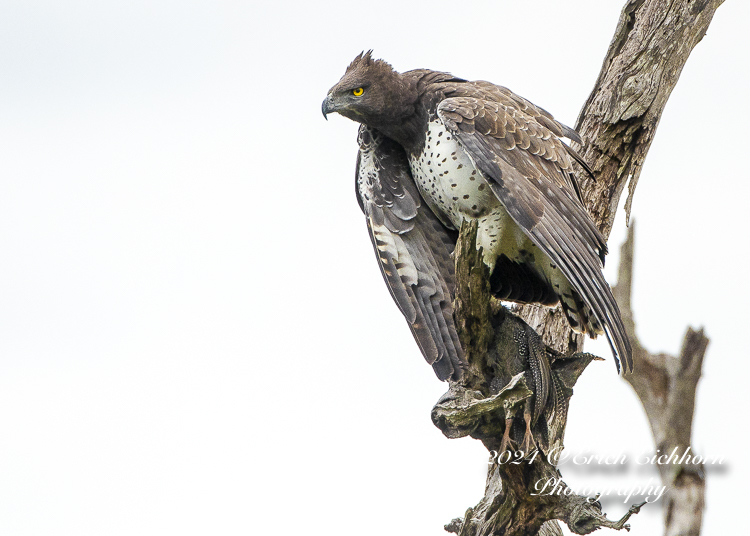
364	61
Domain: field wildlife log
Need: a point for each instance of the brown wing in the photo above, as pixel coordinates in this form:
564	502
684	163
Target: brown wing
414	250
528	169
490	92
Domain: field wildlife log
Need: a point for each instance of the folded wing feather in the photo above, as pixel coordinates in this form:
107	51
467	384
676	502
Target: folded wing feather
413	249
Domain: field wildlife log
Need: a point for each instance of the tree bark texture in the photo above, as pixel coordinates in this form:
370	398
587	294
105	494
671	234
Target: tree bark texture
520	379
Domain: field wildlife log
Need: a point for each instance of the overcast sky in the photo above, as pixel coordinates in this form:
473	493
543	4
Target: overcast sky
194	334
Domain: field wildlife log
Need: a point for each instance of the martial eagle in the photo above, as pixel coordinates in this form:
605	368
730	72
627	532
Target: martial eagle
435	150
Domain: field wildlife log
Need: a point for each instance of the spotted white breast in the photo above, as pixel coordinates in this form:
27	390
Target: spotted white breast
455	190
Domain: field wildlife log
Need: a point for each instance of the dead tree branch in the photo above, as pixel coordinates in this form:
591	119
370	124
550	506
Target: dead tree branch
666	387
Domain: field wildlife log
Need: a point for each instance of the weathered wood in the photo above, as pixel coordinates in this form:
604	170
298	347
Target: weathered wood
666	387
617	123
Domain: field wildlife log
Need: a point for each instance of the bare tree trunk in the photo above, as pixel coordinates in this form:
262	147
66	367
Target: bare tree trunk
513	372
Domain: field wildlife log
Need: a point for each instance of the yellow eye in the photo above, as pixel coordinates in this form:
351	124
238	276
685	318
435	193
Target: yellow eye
358	92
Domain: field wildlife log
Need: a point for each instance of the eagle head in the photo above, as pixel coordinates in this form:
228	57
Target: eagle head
371	92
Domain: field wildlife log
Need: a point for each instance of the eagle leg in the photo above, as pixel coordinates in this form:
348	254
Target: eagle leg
528	440
506	441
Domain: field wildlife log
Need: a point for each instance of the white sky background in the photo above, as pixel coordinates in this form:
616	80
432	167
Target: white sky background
194	334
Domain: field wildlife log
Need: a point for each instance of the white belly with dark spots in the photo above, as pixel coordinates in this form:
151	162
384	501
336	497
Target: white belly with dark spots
456	190
448	181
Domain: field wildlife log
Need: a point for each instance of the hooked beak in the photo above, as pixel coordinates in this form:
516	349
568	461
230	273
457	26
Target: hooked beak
328	106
